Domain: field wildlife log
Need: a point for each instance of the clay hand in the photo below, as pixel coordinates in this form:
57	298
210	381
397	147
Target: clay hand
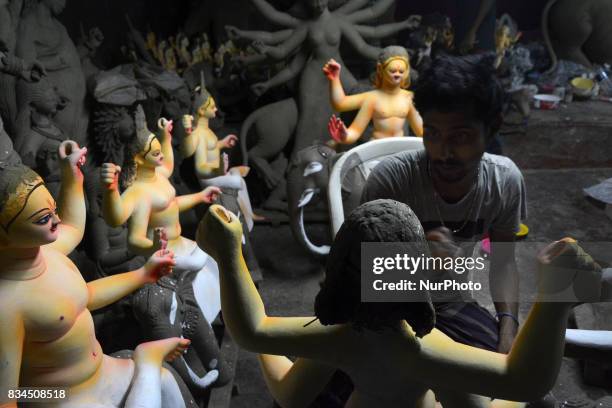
109	175
159	264
232	32
165	125
95	39
73	156
229	141
442	244
188	123
260	47
568	274
260	88
332	69
34	73
337	129
413	22
220	233
210	194
160	239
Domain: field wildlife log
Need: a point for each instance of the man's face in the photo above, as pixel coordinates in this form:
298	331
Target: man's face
455	143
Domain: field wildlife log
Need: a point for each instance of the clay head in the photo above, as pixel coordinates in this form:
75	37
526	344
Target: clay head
28	216
147	147
44	98
47	159
317	7
393	68
203	102
339	300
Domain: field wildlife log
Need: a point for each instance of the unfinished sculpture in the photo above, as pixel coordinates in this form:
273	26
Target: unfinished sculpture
578	31
42	37
151	208
212	166
8	155
37	120
310	43
47	337
367	339
388	106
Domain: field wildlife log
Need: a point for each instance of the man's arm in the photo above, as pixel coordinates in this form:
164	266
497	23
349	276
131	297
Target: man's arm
504	286
71	204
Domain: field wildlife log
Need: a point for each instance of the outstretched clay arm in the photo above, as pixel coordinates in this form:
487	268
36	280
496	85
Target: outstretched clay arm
362	47
103	292
285	75
284	50
266	37
220	235
370	13
116	209
191	140
339	100
514	376
385	30
207	196
71	204
294	384
274	15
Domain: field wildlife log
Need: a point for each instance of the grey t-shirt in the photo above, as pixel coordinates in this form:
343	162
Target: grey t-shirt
497	203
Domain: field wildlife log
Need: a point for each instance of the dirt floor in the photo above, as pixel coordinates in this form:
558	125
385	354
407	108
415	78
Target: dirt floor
576	154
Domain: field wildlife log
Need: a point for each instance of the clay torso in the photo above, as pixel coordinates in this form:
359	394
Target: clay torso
324	38
60	347
390	112
207	152
164	211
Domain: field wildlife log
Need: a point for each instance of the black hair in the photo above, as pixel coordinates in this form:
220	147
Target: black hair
464	84
339	300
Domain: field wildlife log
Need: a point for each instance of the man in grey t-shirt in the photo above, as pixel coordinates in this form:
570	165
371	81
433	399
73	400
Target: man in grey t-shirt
460	193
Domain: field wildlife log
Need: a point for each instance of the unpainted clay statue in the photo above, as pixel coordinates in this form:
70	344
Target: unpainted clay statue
47	337
314	41
151	207
8	155
578	31
37	120
388	106
42	37
210	165
391	351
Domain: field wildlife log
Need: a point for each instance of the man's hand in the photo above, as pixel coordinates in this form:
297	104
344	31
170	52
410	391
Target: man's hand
159	264
507	332
109	176
219	233
442	244
210	194
229	141
337	129
73	157
260	88
332	69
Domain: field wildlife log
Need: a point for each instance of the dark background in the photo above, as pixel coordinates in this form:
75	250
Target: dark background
167	17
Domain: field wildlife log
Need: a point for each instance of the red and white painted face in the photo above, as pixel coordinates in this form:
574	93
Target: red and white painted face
396	73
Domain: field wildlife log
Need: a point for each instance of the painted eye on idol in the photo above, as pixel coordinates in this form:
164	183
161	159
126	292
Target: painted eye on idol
46	218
